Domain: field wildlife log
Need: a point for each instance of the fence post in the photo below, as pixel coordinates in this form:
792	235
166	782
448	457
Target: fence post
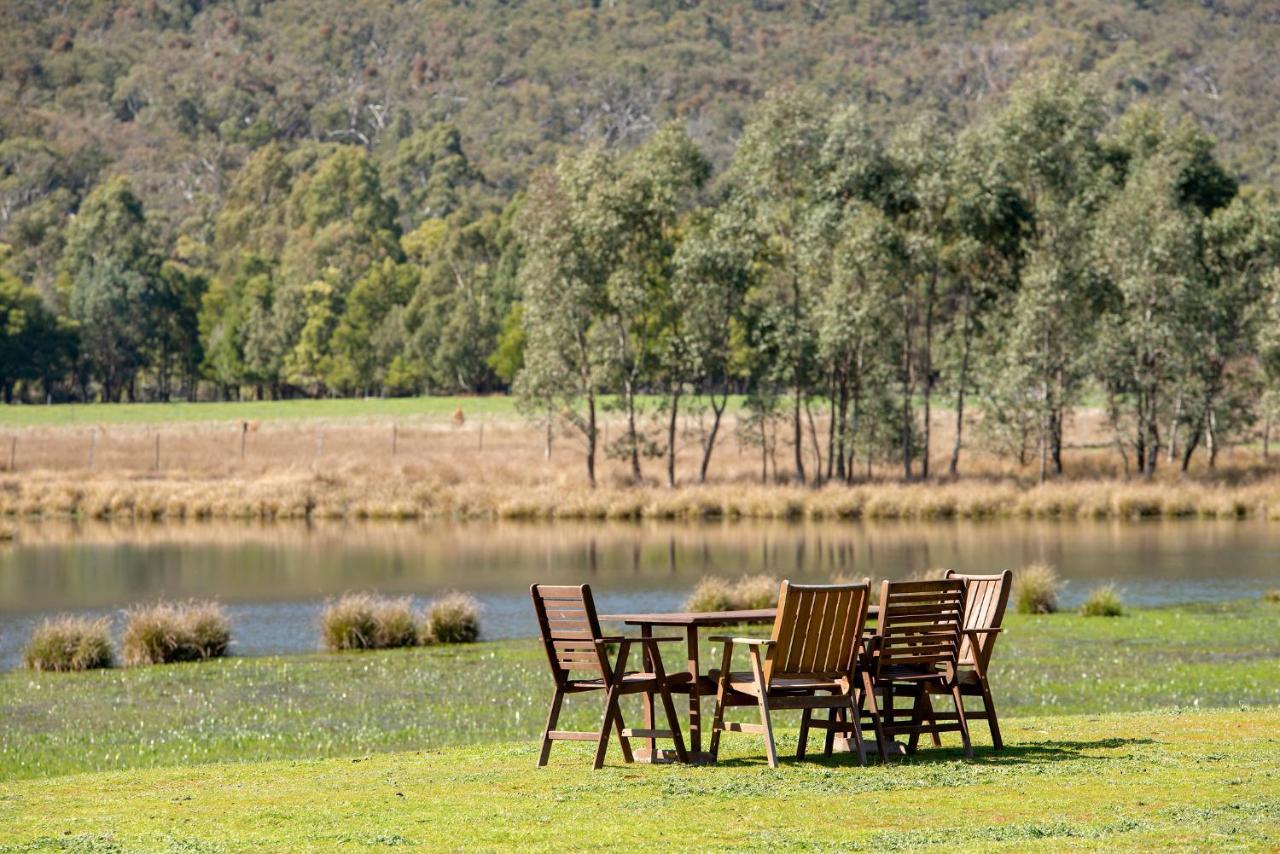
244	432
157	463
394	437
481	442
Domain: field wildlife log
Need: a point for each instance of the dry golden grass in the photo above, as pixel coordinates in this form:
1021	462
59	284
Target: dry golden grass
1035	589
345	469
69	643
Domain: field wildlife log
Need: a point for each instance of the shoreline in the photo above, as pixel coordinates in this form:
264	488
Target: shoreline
399	496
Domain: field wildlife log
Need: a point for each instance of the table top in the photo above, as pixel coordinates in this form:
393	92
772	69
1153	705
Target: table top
695	618
703	618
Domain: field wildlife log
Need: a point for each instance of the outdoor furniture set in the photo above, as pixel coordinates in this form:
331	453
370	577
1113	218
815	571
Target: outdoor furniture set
930	639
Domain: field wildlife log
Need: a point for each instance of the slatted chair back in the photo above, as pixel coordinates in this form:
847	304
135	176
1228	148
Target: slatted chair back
569	626
919	625
985	599
817	631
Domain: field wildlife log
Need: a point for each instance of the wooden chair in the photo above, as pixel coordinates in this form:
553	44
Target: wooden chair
986	597
915	651
573	640
811	661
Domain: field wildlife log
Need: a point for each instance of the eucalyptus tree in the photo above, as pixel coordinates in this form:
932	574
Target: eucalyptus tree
1147	247
775	173
711	277
1047	141
112	271
572	233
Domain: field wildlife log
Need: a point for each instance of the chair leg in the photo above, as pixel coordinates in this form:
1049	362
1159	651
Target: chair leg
602	744
917	720
989	707
770	747
856	709
674	723
552	718
964	723
876	721
623	741
717	723
804	733
834	716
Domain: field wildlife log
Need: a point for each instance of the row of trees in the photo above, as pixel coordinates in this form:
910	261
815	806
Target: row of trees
849	282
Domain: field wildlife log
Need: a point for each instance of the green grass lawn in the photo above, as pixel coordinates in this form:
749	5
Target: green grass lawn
1134	781
307	706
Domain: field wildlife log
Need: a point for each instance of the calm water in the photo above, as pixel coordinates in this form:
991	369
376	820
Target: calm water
275	578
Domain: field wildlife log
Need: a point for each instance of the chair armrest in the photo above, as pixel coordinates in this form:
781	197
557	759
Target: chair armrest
742	641
981	631
665	639
609	639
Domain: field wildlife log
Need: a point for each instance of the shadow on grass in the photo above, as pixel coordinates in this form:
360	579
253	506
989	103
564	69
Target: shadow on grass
1034	753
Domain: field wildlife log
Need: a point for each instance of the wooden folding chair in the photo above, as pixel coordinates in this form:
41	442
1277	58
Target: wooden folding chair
573	640
915	652
811	661
986	597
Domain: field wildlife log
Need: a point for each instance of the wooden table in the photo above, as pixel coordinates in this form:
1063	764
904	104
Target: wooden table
698	684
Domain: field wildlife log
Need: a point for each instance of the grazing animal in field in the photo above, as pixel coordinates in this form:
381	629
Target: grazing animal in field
458	418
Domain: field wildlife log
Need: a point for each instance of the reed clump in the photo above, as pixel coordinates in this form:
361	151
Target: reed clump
453	618
169	632
366	621
1036	588
67	643
1104	601
1272	596
747	593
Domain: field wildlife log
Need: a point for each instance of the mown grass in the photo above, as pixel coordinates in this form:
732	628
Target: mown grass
427	698
1154	780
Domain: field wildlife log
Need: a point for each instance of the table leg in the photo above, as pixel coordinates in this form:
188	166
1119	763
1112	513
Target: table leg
647	632
695	699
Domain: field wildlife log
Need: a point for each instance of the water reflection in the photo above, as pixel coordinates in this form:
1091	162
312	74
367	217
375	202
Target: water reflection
280	572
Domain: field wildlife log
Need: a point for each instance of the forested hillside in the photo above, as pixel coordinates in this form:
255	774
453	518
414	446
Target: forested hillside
854	206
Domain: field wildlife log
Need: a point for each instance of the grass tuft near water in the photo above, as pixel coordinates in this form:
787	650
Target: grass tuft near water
169	632
1104	601
453	618
366	621
1036	588
713	593
65	644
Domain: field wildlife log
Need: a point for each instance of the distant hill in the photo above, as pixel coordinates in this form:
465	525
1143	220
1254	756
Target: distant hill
177	93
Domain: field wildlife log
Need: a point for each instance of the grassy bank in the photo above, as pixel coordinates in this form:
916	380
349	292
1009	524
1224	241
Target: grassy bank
1182	780
309	706
410	492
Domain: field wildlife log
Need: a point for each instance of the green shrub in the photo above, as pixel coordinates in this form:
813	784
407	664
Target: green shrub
69	643
168	632
1271	596
1104	601
1036	588
366	621
453	618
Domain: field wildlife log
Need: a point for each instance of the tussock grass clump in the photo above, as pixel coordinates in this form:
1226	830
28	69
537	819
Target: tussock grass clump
453	618
1104	601
366	621
1036	588
168	632
746	593
1272	596
69	643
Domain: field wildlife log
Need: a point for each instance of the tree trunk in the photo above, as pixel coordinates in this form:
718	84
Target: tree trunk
799	437
1266	437
1211	439
1193	442
633	440
710	443
591	439
671	436
954	468
817	449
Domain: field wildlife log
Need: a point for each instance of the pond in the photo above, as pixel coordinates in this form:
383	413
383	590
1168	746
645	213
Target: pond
274	578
